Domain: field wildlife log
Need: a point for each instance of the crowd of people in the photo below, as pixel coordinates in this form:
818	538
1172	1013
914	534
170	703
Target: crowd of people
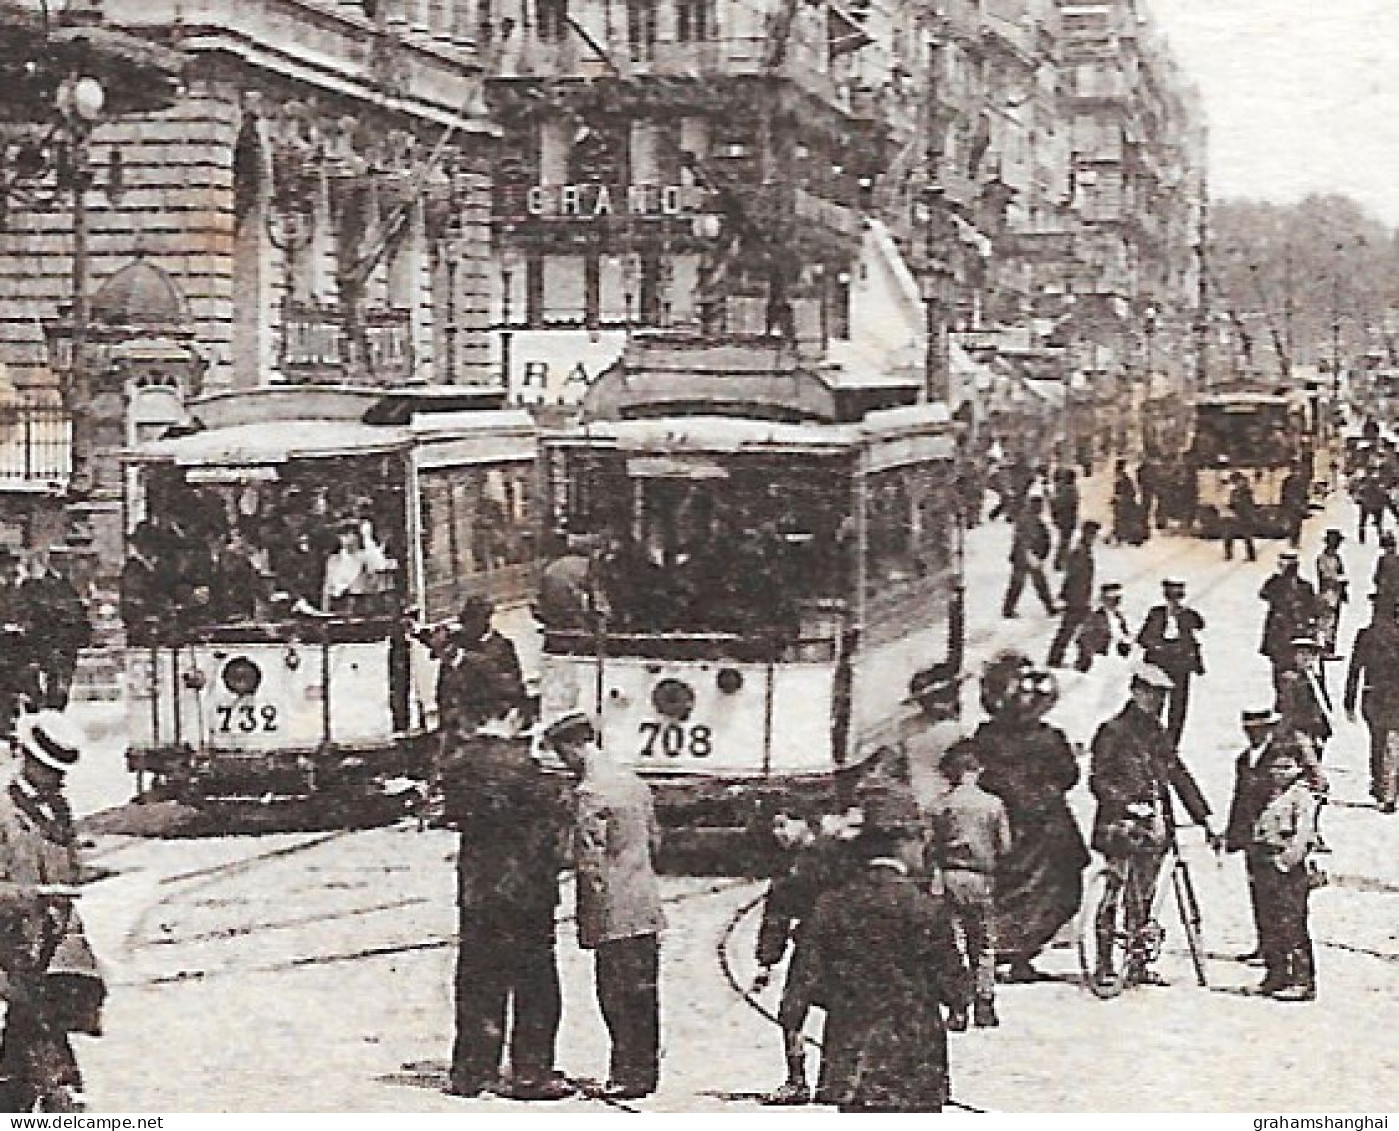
45	625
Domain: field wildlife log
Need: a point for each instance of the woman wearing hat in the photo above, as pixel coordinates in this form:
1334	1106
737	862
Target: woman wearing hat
43	954
1030	766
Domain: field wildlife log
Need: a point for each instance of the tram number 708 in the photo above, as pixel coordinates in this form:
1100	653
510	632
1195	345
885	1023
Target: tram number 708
245	718
675	741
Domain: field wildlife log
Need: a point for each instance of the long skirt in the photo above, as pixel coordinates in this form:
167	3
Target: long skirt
1039	884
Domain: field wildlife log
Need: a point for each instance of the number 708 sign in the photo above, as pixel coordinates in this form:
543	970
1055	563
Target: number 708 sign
674	740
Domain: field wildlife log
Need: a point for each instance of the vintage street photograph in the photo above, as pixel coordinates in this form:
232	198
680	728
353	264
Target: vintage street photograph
699	556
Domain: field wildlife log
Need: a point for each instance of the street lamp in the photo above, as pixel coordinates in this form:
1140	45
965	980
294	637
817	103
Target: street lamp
1150	323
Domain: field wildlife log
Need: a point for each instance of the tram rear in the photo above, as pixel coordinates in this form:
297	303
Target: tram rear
1257	435
283	587
772	602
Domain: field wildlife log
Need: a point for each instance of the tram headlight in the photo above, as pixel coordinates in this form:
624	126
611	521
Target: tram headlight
729	680
241	676
673	698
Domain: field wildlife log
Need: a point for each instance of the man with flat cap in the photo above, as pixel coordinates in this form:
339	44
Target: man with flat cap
616	837
51	981
1170	640
1133	770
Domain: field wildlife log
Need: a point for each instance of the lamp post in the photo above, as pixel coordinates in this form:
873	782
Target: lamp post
1150	323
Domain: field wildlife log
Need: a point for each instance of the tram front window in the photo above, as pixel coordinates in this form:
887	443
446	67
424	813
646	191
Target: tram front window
229	552
757	555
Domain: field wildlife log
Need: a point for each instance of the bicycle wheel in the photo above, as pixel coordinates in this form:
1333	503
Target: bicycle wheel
1189	909
1103	937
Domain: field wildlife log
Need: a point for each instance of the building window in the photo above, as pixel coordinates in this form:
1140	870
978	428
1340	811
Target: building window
551	18
641	28
694	20
650	297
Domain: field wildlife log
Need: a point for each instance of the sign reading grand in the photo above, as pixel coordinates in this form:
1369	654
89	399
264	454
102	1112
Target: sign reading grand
598	202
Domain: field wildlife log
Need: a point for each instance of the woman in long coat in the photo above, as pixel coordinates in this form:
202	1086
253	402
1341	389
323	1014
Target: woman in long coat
1031	767
886	956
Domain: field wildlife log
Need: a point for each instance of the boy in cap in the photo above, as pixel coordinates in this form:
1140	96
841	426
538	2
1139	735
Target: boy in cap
1283	838
43	935
970	833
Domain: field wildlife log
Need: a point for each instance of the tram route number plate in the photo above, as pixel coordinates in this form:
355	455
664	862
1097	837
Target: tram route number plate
674	740
245	718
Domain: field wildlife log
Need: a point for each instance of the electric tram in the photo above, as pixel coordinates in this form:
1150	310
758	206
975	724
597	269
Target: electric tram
1261	436
308	543
776	573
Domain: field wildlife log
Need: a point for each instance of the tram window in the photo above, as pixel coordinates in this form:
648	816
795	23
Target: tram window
908	530
749	553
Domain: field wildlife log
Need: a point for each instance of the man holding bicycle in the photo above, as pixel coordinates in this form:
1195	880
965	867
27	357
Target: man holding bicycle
1134	768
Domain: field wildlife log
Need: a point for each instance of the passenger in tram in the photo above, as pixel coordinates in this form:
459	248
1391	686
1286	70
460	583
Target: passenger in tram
145	595
240	585
354	574
569	597
637	589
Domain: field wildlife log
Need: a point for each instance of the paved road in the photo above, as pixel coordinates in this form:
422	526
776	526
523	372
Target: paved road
313	972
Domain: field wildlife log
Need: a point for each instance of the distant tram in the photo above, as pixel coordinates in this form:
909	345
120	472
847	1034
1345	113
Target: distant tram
1261	436
295	536
776	576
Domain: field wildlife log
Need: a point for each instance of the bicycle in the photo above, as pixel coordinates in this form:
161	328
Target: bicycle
1112	954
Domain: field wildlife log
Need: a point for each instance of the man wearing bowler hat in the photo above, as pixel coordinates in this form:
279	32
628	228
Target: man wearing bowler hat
1292	613
49	969
1170	639
616	836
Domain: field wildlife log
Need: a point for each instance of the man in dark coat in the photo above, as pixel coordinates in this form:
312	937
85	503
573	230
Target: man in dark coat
1076	594
1134	769
146	598
1105	631
1240	519
1124	505
1373	678
1386	579
888	959
1148	496
1028	553
510	817
1063	512
1295	500
479	677
1292	612
1372	499
57	626
1303	701
1252	789
41	935
1170	639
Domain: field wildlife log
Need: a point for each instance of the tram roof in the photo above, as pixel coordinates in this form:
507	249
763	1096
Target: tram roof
1246	400
276	442
671	434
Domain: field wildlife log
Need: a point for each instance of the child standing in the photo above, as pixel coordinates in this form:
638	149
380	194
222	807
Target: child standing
970	832
1284	837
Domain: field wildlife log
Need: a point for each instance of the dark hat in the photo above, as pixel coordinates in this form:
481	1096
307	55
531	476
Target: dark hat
1111	587
1288	556
1093	526
1171	585
959	760
50	738
476	607
1334	535
1261	717
572	726
1387	540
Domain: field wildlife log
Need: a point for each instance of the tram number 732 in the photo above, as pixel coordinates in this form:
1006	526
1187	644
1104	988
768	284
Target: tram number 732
674	740
245	718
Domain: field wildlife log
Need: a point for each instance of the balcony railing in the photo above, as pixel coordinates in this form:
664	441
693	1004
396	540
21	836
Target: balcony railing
36	446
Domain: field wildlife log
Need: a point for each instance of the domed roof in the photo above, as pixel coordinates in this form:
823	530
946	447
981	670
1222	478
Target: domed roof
139	294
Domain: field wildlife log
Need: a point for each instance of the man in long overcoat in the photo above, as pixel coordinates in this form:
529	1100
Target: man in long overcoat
48	969
888	961
1076	593
57	624
616	836
510	817
1373	679
1292	612
1029	551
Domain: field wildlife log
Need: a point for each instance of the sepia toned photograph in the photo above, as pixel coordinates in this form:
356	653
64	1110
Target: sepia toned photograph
699	556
